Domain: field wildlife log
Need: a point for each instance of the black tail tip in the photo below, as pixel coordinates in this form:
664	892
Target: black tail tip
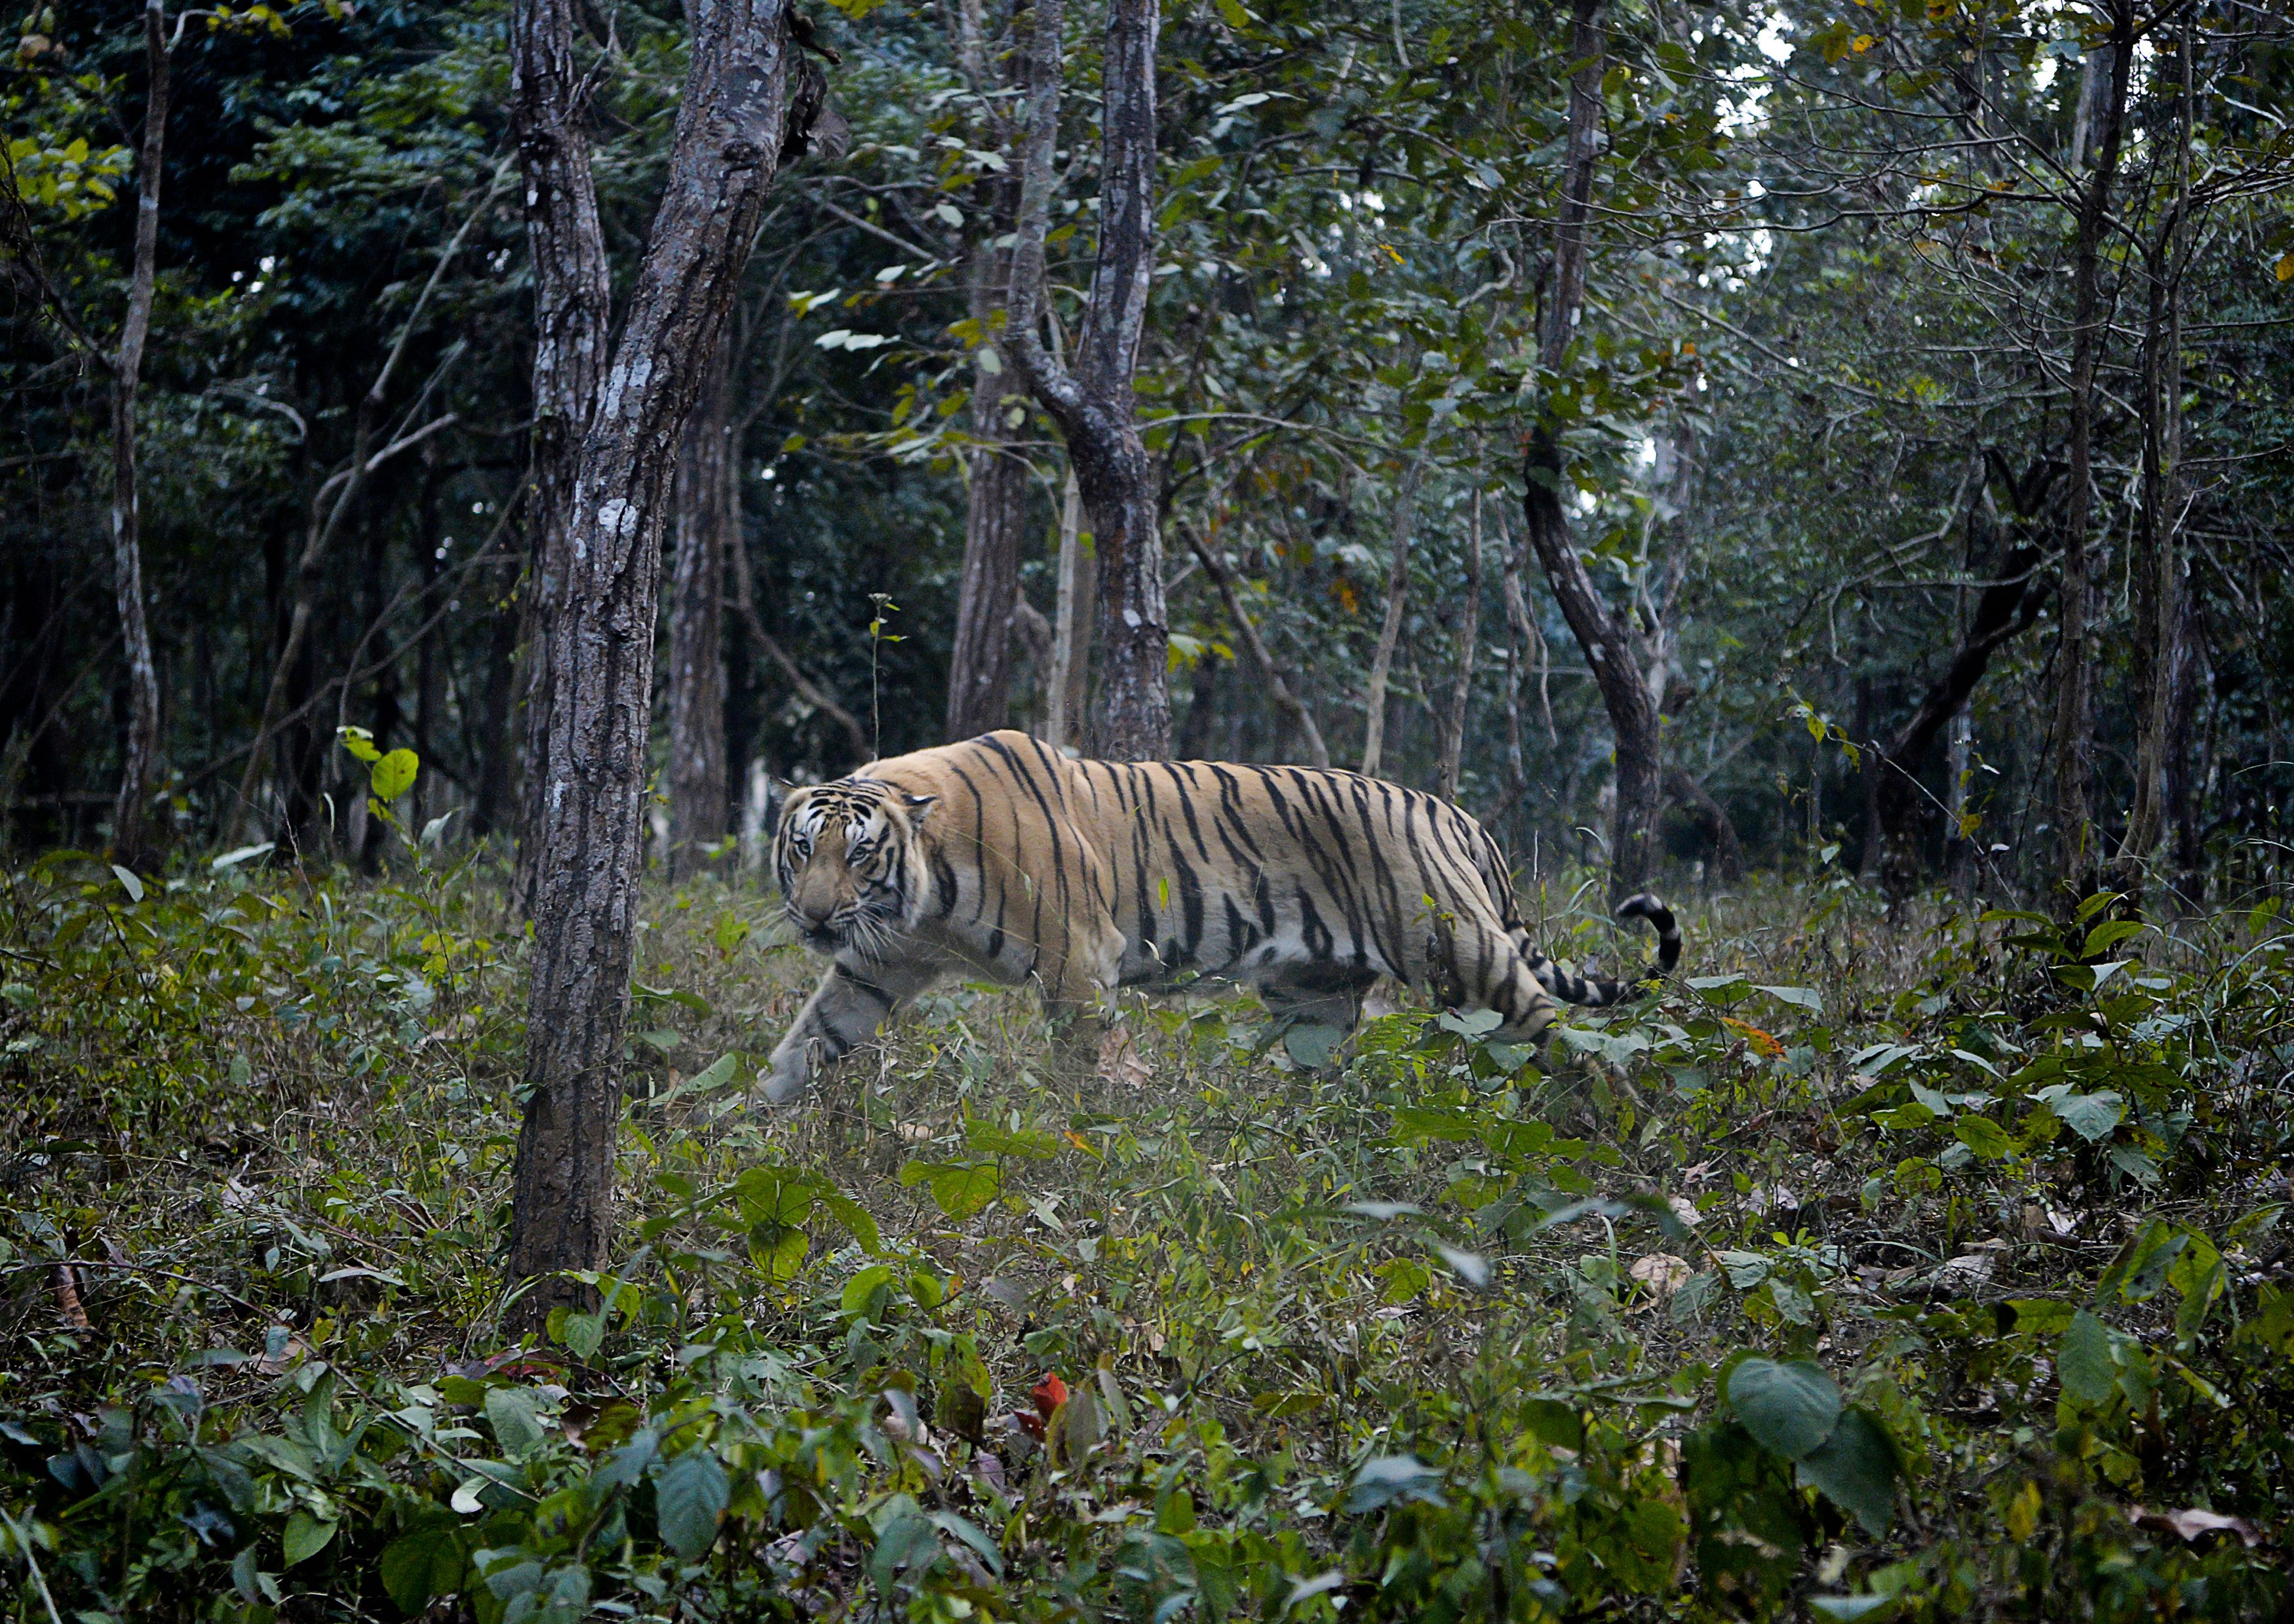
1645	904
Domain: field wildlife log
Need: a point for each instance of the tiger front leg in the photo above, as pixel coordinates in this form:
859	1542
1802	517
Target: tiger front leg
843	1013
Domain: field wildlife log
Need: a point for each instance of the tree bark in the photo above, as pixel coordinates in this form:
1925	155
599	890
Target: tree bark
1401	533
1606	636
1277	690
1453	727
572	322
995	522
749	102
2007	608
2158	651
2074	722
1686	790
698	803
1078	589
334	502
996	516
1094	404
744	603
140	749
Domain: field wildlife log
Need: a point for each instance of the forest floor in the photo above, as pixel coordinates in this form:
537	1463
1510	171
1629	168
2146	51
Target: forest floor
1926	1266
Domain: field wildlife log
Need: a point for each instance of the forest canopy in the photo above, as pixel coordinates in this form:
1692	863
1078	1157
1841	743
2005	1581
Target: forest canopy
1812	425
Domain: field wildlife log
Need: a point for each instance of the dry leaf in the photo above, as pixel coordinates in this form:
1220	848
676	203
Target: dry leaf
1684	1209
1119	1059
2193	1525
1661	1272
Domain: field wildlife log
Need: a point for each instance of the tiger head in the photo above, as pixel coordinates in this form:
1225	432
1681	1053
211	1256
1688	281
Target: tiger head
847	861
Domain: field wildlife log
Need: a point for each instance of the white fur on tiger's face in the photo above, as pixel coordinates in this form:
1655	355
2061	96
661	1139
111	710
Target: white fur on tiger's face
1001	857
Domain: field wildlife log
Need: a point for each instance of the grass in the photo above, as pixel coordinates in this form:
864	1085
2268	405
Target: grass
1902	1267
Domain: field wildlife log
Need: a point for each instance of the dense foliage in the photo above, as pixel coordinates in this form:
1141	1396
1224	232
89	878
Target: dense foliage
1819	398
1927	1270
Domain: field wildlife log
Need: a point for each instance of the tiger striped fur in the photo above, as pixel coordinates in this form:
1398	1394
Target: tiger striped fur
1000	857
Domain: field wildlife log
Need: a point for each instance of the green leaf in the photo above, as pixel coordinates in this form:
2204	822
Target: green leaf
305	1537
689	1495
731	931
1789	1408
129	883
1985	1137
1799	997
959	1189
863	1286
423	1563
2109	932
2092	1117
1848	1609
1390	1478
360	742
1857	1468
393	774
517	1428
1311	1045
2083	1361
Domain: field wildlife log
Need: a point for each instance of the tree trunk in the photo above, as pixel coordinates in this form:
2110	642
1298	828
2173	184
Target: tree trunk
1453	727
1720	829
697	797
1277	689
2074	722
744	603
995	523
2158	573
1094	404
2007	608
749	102
1401	533
335	501
573	323
1070	681
1605	636
140	750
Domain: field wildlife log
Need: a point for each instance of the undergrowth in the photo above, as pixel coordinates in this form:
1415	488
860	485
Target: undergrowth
1916	1268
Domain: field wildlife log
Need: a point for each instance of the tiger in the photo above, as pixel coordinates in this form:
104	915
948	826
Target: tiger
1001	857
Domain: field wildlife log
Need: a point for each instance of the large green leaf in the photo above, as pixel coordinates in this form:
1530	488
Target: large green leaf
517	1428
1790	1408
423	1563
393	774
1856	1467
689	1495
305	1537
2083	1361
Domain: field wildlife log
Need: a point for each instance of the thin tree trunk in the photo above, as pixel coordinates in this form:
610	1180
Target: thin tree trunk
1454	728
490	808
1094	403
698	802
996	516
1070	682
337	498
743	603
749	102
2074	722
1686	790
1277	690
140	751
1605	636
2003	611
2159	576
1402	531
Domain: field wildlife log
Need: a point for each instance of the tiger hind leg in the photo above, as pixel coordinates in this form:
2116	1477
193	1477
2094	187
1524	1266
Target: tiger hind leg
1489	970
1323	996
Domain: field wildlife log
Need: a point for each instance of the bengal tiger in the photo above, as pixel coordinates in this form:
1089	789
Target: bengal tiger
1001	857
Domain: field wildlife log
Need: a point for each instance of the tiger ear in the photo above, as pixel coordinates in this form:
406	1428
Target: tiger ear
777	794
918	805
